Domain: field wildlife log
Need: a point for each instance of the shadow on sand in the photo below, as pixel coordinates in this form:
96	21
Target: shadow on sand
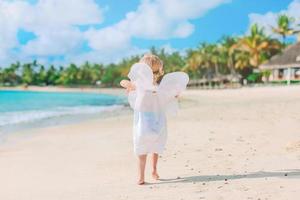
292	173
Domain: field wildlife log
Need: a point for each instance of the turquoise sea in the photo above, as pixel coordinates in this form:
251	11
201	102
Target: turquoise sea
27	106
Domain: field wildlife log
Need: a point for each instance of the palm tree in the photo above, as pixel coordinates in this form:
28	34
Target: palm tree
28	73
193	63
172	61
258	45
210	54
242	60
41	76
96	71
284	26
214	52
51	76
111	76
83	75
10	75
228	52
69	75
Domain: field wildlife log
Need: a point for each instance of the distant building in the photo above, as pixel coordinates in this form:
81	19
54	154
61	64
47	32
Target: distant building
284	66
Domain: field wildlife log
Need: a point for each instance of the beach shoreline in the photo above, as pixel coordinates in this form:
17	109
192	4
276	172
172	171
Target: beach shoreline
224	144
60	115
112	91
122	92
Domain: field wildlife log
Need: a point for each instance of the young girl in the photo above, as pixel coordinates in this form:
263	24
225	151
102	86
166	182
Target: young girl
150	99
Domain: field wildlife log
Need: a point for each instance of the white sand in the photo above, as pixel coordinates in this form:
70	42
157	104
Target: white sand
250	137
65	89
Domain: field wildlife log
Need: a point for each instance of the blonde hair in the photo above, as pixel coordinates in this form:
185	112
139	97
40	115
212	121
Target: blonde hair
156	64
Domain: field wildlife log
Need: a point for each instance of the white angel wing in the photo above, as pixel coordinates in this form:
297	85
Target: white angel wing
146	99
172	85
142	98
141	75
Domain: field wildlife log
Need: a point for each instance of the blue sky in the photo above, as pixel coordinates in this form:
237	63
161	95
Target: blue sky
57	32
228	19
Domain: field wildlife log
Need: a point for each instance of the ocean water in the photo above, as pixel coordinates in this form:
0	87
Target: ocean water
19	107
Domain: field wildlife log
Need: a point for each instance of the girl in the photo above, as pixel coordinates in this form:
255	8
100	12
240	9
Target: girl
146	98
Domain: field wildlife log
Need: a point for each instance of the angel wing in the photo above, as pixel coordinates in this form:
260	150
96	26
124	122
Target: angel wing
170	86
141	75
173	83
147	98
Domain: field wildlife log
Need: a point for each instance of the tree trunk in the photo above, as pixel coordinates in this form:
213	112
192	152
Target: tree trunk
217	70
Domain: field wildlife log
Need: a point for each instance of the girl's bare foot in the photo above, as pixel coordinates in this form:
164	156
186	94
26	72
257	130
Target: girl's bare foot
141	182
154	166
142	164
155	176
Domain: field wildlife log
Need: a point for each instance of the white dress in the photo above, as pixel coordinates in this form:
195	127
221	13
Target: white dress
151	104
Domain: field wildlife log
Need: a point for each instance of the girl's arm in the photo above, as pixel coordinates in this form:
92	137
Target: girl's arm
129	86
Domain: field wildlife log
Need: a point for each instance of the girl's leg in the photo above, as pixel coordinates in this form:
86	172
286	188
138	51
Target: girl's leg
154	166
142	164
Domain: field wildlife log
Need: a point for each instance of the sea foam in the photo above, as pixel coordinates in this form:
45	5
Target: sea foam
10	118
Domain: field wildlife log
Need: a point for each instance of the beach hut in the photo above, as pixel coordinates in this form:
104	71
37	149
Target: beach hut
284	66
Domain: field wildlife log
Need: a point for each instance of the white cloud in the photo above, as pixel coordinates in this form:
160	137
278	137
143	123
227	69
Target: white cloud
61	13
52	21
190	9
10	21
153	19
184	29
11	16
107	39
105	56
269	19
54	42
55	22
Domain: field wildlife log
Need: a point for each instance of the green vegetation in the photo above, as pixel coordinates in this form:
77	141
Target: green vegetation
284	26
229	57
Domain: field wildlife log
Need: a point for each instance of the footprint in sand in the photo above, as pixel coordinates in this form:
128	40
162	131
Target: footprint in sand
218	149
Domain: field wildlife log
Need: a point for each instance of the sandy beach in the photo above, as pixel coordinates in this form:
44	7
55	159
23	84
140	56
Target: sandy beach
113	91
224	144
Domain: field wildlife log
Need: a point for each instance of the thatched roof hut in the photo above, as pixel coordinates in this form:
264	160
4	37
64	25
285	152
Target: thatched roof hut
285	66
290	57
